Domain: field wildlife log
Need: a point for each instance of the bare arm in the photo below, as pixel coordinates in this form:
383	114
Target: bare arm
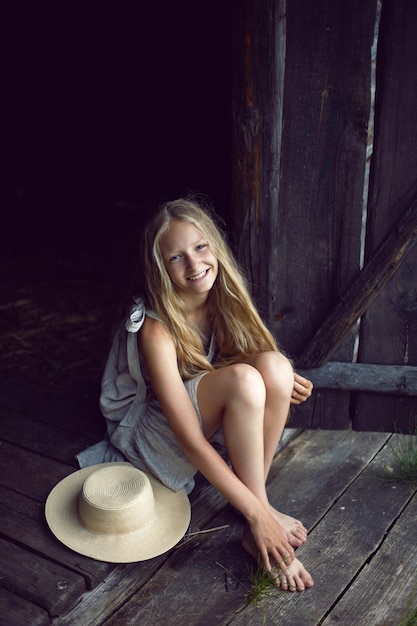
159	354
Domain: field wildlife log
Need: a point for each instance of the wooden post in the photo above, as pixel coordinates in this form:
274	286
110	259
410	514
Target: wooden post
325	121
258	78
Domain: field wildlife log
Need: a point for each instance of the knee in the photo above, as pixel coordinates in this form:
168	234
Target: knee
277	373
246	383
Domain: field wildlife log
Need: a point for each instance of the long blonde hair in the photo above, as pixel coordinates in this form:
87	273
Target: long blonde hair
236	324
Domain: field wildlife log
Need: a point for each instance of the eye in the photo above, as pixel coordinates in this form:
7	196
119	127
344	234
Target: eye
201	246
174	258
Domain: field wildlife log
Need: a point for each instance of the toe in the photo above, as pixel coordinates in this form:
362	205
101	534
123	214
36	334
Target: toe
291	583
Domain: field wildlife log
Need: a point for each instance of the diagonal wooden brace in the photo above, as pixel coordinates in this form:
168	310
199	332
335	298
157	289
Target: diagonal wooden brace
363	291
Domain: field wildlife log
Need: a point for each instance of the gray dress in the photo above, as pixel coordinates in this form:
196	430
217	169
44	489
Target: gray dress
136	427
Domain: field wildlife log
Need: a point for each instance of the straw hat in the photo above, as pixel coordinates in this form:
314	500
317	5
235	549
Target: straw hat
114	512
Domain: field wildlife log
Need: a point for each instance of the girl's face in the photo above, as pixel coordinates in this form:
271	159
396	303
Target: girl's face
189	261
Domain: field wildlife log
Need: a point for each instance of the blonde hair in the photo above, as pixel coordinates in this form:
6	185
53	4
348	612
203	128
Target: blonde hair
235	322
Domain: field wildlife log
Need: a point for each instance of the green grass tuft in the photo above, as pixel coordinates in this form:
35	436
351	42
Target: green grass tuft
410	616
261	584
402	466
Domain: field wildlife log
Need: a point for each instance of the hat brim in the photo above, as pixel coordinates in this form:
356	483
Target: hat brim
172	518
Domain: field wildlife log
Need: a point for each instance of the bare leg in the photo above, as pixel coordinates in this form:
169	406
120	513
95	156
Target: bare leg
278	377
251	401
234	397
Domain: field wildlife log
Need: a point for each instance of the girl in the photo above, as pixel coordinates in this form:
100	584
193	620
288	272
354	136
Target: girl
204	368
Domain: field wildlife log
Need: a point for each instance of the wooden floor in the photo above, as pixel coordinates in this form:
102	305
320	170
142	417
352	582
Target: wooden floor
57	304
361	550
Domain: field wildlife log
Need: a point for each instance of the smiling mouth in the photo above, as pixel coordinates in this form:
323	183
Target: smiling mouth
198	276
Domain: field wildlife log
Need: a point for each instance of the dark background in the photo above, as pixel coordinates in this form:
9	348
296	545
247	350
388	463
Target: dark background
108	109
113	106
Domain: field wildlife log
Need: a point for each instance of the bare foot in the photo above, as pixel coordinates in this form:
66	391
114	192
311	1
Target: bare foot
294	529
296	577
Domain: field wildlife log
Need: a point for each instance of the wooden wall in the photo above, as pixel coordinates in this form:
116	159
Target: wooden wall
299	153
389	327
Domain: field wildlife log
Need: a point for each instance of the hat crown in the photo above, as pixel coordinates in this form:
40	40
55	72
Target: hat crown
115	500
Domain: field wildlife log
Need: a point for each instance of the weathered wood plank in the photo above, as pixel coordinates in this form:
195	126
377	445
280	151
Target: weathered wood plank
322	465
257	92
52	441
33	475
326	113
388	332
113	592
16	611
23	523
364	290
322	411
23	493
386	587
172	591
337	548
318	483
397	379
125	580
45	583
192	588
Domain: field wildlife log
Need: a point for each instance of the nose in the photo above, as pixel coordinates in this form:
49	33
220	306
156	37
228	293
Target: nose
191	261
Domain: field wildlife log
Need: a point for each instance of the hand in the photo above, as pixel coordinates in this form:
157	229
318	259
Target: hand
302	389
271	541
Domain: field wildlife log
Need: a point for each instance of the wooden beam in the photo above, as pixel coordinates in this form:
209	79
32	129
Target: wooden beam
257	102
368	284
393	379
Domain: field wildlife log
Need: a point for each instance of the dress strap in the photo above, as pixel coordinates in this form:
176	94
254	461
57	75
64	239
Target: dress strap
136	316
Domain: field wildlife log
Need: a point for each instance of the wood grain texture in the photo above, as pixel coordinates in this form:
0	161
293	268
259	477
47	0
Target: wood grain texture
258	82
326	113
355	526
396	379
394	250
34	475
389	327
385	589
329	479
15	612
45	583
199	570
23	523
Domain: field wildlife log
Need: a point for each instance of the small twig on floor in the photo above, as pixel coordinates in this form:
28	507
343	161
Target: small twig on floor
193	534
232	582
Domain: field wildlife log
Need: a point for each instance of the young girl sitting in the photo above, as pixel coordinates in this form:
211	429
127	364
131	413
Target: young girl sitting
203	368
